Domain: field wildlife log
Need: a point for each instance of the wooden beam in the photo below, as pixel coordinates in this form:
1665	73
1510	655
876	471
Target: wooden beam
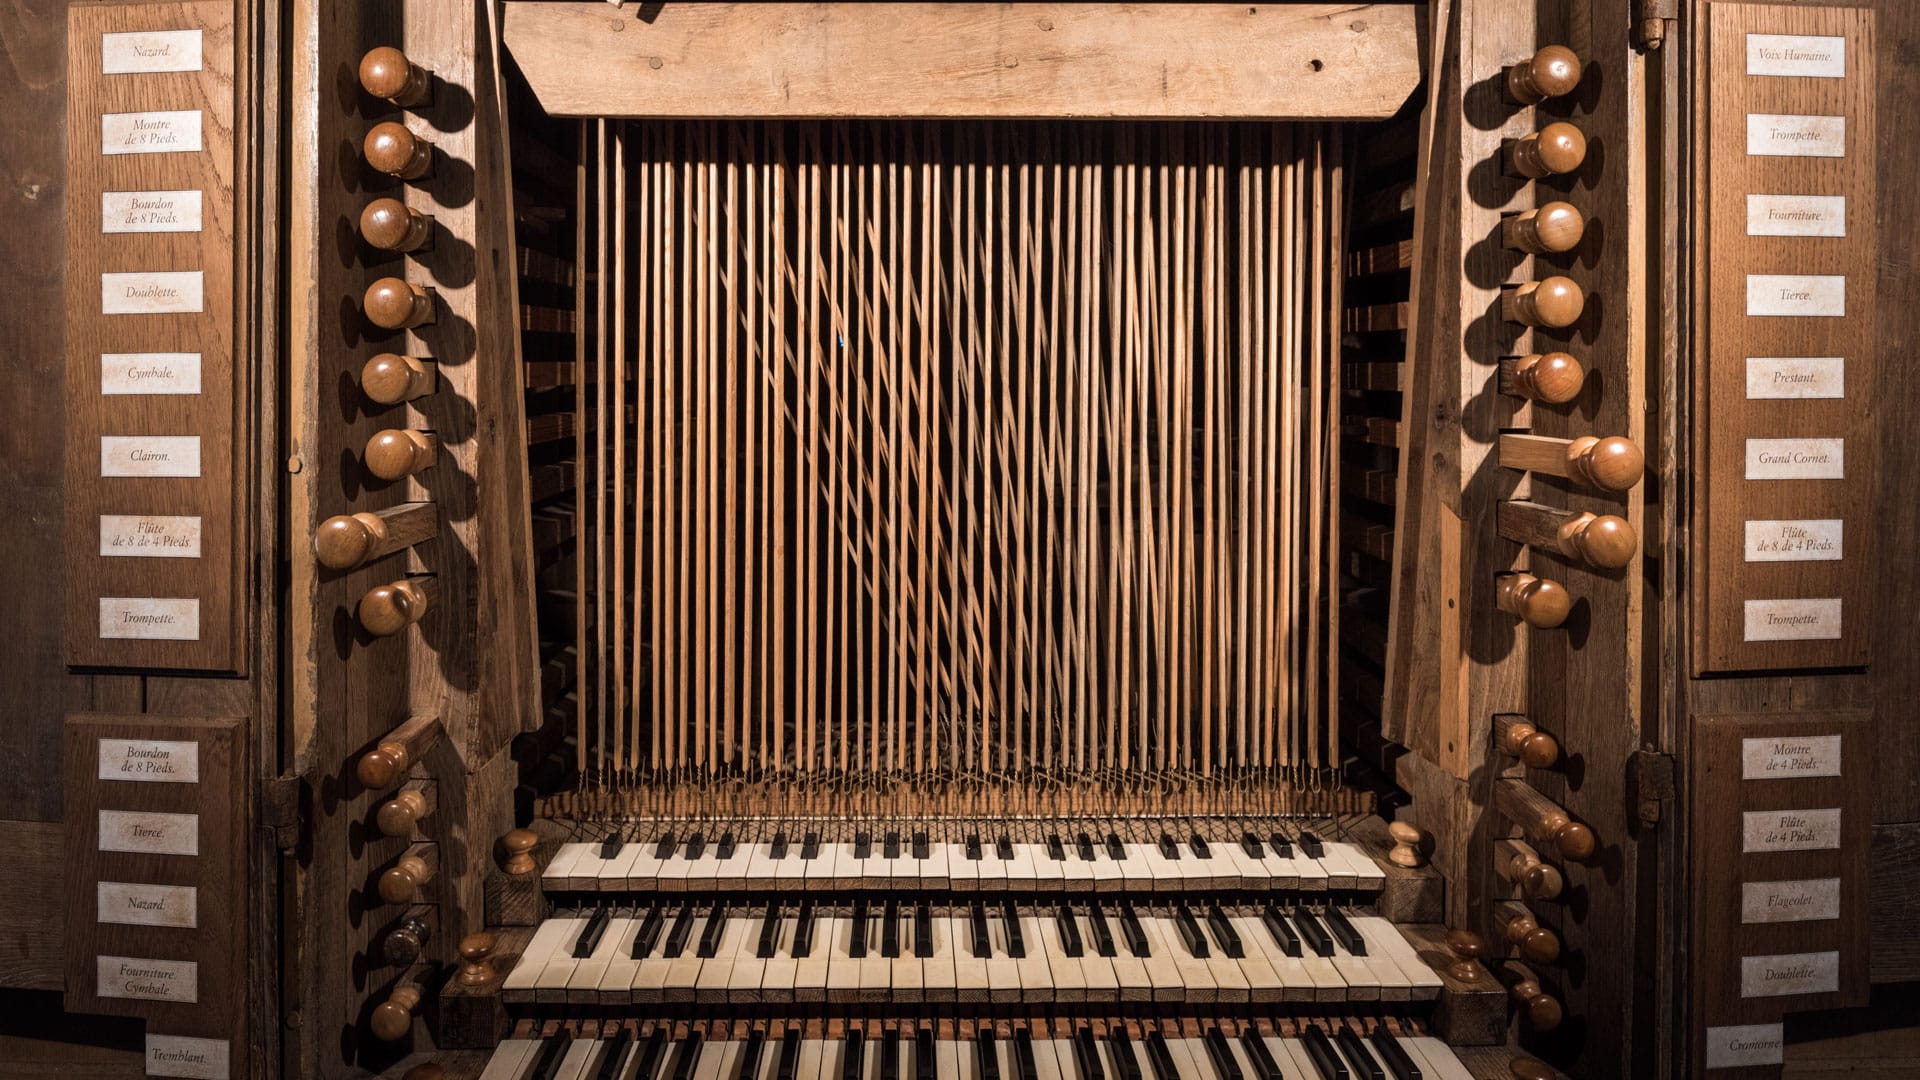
33	921
1894	904
1108	61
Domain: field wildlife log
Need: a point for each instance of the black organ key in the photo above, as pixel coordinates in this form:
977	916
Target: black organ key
890	930
863	845
747	1064
725	848
1161	1058
1310	844
1320	1049
1070	942
857	944
552	1051
1224	935
1283	934
682	929
689	1055
1084	844
982	943
591	933
1116	850
924	1064
1056	850
1168	849
1344	933
853	1058
1390	1051
1281	845
1264	1067
1199	845
1222	1055
1102	933
1003	848
649	935
789	1056
923	931
696	846
779	845
1316	938
889	1059
1131	929
1023	1055
716	926
1087	1054
890	847
973	847
615	1050
1123	1059
803	930
664	849
652	1053
611	846
984	1054
769	932
922	846
1190	932
1356	1054
1250	844
810	846
1016	941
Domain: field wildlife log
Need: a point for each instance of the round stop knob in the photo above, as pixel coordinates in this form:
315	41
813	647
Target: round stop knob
391	225
394	304
1555	377
392	149
385	72
1551	72
1555	149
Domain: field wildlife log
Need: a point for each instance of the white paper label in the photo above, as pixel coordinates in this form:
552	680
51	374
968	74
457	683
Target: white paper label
149	455
149	833
149	618
147	905
141	51
1807	900
194	1059
1775	135
150	373
1745	1046
1796	459
1789	757
1797	54
153	292
1796	215
150	132
1789	973
1790	830
145	536
152	761
148	980
1793	620
1796	377
1809	540
1805	295
149	211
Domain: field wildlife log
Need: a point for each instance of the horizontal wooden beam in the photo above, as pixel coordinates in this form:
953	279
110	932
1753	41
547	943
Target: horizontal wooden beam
1003	61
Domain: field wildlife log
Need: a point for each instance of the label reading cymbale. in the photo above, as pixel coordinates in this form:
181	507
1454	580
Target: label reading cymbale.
174	132
150	373
1797	295
149	51
1745	1046
130	904
1796	215
149	211
1792	620
148	980
1804	55
150	455
150	618
1796	459
163	761
189	1058
153	292
149	832
1805	900
1805	540
149	536
1781	135
1785	974
1763	831
1796	377
1789	757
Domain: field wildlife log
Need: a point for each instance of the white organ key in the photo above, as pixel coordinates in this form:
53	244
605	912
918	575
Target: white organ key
730	873
1136	870
1066	1065
905	971
650	972
1282	872
962	873
1078	873
1291	1052
1388	976
616	981
1423	982
716	972
1164	968
1190	1058
1009	1066
1036	974
1023	873
790	872
1046	1061
1241	1058
1263	982
684	971
812	1059
1195	873
993	869
1226	971
953	1063
937	971
642	870
843	974
1106	872
1368	876
933	872
1313	876
1252	872
1129	971
614	872
717	1059
820	869
1343	863
584	987
776	979
1003	972
521	982
1098	974
1295	983
903	870
703	873
875	871
580	1054
1445	1066
1165	872
555	875
761	868
870	1061
875	970
749	970
1195	976
1069	983
1328	984
1220	867
1358	974
1048	872
672	872
810	971
969	971
846	865
510	1059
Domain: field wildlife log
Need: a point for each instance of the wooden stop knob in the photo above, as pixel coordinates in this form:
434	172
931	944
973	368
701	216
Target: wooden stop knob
1535	748
390	378
1539	602
1407	839
1554	150
389	609
520	844
476	950
1602	540
393	304
403	944
1549	230
1540	881
1610	464
385	72
1468	947
1526	1068
392	149
1555	302
1555	377
382	765
1542	1010
391	225
1551	72
398	452
403	879
1536	943
1574	840
393	1018
397	816
344	541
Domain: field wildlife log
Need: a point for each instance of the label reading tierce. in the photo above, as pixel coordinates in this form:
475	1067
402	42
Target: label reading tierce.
176	132
1796	377
1806	540
148	980
1802	295
149	832
149	51
1796	459
1763	831
129	904
1743	1046
1789	757
193	1059
1809	56
162	761
1777	135
1792	620
153	292
149	618
1789	973
149	536
149	211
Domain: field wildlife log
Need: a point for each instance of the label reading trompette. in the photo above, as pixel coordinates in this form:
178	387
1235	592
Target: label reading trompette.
1763	831
133	904
149	211
150	373
1789	757
1804	55
1797	295
1796	459
148	51
148	980
1803	900
1789	973
1781	135
148	536
188	1058
1805	540
154	761
1745	1046
150	618
150	833
1796	377
175	132
1792	620
150	455
153	292
1796	215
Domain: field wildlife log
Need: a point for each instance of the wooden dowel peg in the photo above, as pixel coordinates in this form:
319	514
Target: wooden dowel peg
1553	150
1612	463
401	882
1602	541
389	609
1521	865
385	72
1555	377
1551	72
1468	947
1554	302
520	844
399	815
391	378
345	541
402	945
1407	842
1536	943
1542	1010
402	748
1542	819
1548	230
393	1018
1539	602
392	149
1517	737
391	225
476	952
398	452
394	304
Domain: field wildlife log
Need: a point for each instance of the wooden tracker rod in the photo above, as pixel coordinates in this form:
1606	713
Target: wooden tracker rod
956	449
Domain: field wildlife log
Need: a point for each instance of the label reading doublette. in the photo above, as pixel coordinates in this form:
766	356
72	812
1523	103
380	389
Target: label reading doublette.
1745	1046
1792	620
148	905
1804	55
1789	973
192	1059
1796	215
1796	459
147	51
148	536
1805	295
1789	757
1790	830
1806	540
162	761
149	211
150	833
148	980
1806	900
1776	135
1796	377
175	132
153	292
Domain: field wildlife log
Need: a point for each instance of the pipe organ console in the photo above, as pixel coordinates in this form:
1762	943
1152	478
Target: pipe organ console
714	541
